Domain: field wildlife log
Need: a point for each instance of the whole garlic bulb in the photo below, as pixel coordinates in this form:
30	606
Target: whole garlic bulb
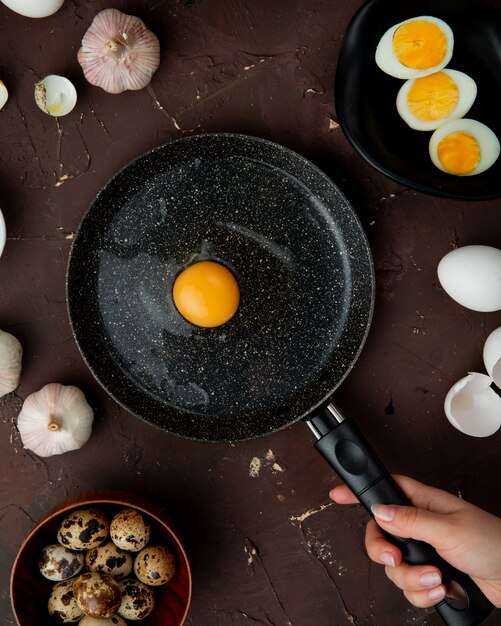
118	52
54	420
11	354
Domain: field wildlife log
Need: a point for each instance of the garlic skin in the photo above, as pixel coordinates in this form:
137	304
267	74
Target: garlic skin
29	8
55	420
118	52
11	354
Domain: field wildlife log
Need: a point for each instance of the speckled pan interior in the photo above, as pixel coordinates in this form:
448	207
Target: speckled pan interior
302	263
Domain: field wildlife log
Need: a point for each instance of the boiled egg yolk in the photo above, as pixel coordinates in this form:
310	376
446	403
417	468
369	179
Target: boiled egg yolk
419	44
206	294
433	97
459	153
464	147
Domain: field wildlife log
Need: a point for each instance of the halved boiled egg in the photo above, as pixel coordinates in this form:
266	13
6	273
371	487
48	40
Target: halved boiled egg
426	103
416	47
464	147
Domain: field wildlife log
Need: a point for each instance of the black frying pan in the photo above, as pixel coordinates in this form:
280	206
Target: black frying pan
307	291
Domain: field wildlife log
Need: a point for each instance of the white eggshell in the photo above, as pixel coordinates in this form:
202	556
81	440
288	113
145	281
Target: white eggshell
34	8
3	233
492	355
55	95
471	275
473	407
4	94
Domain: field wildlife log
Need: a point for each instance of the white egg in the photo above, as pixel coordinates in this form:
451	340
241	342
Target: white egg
427	102
473	407
431	41
471	275
4	95
34	8
492	356
464	147
3	233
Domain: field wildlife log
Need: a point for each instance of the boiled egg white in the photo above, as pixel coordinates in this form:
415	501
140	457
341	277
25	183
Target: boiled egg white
471	275
415	47
426	103
464	147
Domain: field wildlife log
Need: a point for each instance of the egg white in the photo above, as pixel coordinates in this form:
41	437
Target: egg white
486	139
467	88
388	62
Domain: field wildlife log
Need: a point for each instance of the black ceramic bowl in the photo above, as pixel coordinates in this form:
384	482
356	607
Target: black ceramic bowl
366	96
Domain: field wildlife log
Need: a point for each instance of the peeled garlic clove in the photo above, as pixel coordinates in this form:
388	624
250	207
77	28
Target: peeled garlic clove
55	95
11	354
31	8
54	420
492	356
473	407
118	52
4	94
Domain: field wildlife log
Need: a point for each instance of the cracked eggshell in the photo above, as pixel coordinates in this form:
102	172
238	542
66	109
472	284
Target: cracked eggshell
83	529
3	233
109	559
473	407
31	8
59	563
55	95
492	355
471	275
62	605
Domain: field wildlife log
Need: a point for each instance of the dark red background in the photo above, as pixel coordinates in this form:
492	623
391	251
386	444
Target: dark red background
264	68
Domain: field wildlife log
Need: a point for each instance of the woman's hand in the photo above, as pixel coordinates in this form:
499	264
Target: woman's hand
464	535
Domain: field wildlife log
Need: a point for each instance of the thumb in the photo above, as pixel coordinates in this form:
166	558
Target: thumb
414	523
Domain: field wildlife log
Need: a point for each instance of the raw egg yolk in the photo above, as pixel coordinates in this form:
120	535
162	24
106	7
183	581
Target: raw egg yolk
433	97
459	153
206	294
419	44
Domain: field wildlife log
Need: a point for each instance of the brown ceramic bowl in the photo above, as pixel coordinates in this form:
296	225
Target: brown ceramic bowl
29	590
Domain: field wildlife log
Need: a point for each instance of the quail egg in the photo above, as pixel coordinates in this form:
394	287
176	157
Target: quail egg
62	604
59	563
129	530
96	621
83	529
138	600
155	565
98	595
109	559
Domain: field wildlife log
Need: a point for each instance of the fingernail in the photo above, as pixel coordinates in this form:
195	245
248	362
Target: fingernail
383	512
387	559
436	594
430	579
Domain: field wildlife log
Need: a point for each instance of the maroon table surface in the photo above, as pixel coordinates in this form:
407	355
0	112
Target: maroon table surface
266	544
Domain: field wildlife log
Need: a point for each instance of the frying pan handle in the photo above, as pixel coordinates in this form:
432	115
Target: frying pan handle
348	452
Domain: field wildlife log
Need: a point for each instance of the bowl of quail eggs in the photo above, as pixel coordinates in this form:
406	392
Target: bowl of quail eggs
105	560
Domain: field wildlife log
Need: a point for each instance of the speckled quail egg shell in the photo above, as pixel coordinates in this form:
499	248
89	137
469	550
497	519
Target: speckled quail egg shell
138	600
129	530
473	407
98	595
492	356
155	565
96	621
83	529
62	604
58	563
109	559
